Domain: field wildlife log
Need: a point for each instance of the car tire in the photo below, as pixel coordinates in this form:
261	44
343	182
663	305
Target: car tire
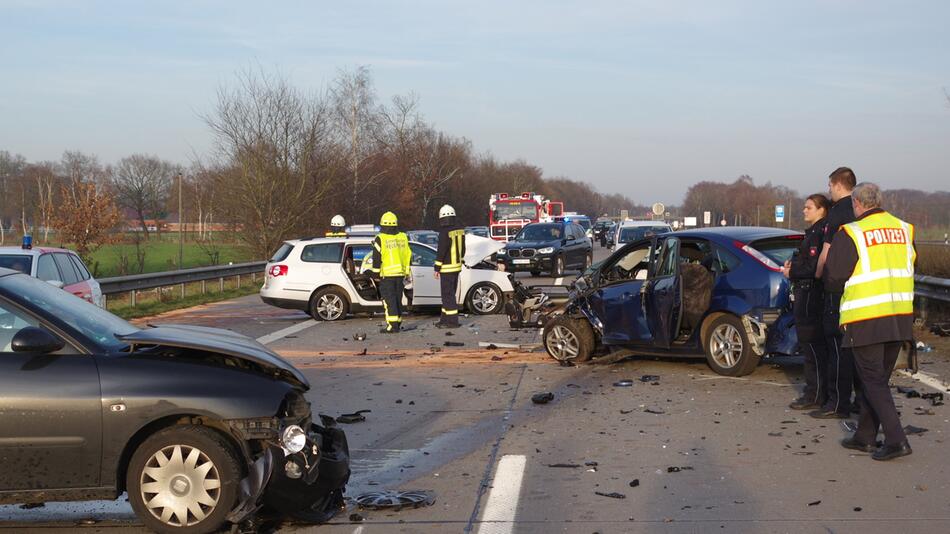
485	299
557	270
329	304
567	339
148	478
727	347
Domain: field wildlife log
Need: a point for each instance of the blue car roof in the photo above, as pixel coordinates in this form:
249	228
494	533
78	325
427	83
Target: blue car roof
745	234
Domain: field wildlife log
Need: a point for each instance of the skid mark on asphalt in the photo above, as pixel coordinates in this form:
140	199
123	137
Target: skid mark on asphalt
502	506
293	329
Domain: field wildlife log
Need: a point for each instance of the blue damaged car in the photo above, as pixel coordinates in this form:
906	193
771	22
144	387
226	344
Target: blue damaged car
716	292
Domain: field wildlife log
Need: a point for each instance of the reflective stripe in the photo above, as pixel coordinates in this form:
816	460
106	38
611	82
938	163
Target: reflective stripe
449	312
875	300
877	275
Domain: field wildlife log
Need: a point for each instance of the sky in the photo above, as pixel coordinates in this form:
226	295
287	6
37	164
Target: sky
634	97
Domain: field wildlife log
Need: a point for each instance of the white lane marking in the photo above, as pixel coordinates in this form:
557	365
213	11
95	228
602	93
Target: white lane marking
270	338
557	281
502	506
926	379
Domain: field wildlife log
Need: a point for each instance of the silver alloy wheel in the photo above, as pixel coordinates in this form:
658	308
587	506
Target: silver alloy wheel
725	345
485	299
330	307
180	485
561	343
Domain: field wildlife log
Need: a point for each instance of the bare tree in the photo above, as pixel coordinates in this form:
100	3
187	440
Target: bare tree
142	184
274	139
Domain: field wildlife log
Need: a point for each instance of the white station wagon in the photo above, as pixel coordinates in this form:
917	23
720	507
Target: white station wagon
322	277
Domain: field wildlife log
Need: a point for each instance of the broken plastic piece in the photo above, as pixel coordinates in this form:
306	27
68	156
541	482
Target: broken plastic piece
923	347
635	482
910	392
625	383
675	469
612	495
542	398
355	518
912	430
649	378
651	410
453	344
567	466
359	336
350	418
395	500
814	503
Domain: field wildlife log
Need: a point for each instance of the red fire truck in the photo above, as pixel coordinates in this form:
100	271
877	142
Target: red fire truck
508	214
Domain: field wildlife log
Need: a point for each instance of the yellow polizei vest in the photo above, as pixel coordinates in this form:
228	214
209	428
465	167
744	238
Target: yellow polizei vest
395	253
882	283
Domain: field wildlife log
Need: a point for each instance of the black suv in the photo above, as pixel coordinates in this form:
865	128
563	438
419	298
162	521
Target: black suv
548	247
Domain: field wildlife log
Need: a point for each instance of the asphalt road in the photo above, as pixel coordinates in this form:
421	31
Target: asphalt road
688	452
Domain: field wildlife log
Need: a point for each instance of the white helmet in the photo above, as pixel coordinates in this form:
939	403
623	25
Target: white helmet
446	211
338	220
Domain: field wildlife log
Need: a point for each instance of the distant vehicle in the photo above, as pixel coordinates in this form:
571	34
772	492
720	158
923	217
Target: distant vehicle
603	228
322	277
548	247
197	426
507	215
480	231
629	231
717	292
582	220
426	237
60	267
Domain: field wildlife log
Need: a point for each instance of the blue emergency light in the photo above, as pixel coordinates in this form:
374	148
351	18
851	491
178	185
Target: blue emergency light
27	242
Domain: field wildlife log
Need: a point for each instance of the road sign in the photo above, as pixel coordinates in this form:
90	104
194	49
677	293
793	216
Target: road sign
659	208
689	221
624	215
780	213
707	217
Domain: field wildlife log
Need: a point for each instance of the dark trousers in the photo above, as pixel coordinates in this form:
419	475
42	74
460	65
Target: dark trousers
840	359
874	364
390	290
449	283
816	372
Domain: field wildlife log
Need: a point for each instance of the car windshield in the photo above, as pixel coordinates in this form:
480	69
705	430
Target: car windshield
540	232
635	233
585	223
92	321
426	238
17	262
780	249
515	210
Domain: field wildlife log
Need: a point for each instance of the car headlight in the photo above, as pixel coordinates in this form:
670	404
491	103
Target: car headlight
293	439
546	250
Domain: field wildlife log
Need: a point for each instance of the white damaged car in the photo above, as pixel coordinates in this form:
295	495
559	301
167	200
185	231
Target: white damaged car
322	277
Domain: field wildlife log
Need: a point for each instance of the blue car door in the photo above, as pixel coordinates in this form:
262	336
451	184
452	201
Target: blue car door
662	294
619	304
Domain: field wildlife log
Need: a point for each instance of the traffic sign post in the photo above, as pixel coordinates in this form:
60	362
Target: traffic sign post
780	213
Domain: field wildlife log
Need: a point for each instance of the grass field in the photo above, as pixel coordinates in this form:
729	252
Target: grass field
160	300
161	255
933	260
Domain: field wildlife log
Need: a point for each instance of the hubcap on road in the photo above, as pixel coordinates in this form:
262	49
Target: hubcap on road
485	299
330	307
726	345
180	485
562	343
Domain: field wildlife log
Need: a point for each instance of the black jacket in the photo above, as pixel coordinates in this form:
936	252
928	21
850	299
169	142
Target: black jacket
449	258
805	262
842	258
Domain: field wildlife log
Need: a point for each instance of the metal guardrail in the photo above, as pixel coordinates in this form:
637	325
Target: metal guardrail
933	288
138	282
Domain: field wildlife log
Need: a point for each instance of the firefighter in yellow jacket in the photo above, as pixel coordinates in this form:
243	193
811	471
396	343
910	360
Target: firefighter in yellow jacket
337	227
391	260
872	262
448	265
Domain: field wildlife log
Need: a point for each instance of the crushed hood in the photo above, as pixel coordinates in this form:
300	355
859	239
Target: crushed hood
220	341
478	248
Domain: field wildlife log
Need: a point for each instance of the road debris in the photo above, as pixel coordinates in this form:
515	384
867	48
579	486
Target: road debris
911	430
923	347
635	482
356	518
936	399
350	418
625	383
542	398
359	336
674	469
941	329
649	378
565	466
612	495
911	393
395	500
814	503
453	344
655	412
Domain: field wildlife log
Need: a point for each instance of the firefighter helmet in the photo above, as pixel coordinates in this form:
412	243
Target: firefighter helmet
446	211
338	221
388	219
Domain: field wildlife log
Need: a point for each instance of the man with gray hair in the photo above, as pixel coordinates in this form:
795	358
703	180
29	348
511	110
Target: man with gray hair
872	263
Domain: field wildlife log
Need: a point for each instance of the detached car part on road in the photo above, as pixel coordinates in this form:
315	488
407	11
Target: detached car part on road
713	292
200	426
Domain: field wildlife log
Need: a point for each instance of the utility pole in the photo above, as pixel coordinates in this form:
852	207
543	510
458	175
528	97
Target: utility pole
181	242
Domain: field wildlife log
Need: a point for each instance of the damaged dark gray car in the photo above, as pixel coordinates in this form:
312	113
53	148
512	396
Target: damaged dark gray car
200	426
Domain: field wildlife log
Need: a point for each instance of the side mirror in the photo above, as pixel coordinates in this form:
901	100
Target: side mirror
34	339
58	284
564	241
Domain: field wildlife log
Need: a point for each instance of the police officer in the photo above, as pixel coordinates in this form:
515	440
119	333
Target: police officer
872	264
840	359
391	260
337	227
807	295
448	265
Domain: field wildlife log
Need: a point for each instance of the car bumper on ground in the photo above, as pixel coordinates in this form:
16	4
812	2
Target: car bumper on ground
536	263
